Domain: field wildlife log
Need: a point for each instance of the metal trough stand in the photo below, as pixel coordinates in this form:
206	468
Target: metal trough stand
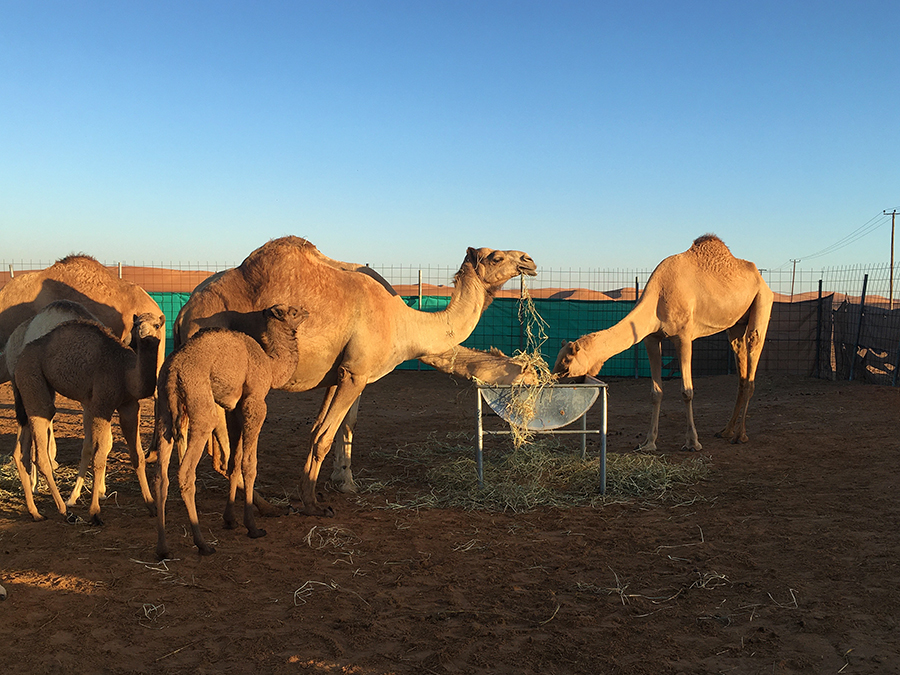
558	405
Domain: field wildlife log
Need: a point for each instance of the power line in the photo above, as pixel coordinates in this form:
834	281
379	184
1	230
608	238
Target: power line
863	230
860	232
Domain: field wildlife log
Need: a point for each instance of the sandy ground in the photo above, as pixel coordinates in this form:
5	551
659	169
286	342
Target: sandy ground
784	560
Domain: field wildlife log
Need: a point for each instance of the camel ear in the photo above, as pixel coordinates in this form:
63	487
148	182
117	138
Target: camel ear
472	256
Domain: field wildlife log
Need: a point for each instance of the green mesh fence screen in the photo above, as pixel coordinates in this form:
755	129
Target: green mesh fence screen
501	327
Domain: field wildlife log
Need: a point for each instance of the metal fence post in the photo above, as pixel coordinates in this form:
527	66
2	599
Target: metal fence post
862	311
816	361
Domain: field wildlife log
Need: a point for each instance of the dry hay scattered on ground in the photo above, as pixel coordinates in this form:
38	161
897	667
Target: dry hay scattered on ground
781	558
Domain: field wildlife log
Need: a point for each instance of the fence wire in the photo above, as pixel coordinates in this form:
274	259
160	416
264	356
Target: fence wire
834	322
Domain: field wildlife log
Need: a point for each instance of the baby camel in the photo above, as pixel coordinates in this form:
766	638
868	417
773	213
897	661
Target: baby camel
84	361
223	368
52	315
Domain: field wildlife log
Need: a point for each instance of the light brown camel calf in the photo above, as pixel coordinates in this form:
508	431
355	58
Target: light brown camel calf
84	361
220	368
48	318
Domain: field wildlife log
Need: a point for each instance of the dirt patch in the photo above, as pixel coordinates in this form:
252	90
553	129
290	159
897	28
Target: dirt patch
783	560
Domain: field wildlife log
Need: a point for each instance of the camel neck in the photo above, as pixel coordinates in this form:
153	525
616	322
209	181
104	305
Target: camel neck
637	324
437	332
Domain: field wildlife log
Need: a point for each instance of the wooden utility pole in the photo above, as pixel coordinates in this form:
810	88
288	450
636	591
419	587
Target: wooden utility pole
891	287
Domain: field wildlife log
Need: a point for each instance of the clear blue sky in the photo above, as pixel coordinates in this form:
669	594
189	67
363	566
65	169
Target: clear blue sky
589	134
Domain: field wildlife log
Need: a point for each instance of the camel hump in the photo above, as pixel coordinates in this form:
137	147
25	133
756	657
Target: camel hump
710	245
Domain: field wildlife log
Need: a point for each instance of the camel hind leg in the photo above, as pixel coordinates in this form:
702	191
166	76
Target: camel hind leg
40	431
187	481
163	455
747	342
24	440
129	421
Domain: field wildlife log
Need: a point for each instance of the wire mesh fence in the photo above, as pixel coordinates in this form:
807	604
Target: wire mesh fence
834	322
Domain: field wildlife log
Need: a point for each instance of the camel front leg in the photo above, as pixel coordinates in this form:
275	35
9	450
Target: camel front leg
653	345
87	455
685	355
129	421
228	437
253	414
337	403
101	433
341	473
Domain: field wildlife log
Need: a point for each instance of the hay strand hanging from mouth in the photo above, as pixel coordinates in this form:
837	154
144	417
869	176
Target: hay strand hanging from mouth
523	403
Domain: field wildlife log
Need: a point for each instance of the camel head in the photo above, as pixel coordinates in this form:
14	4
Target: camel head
495	268
574	360
291	316
148	325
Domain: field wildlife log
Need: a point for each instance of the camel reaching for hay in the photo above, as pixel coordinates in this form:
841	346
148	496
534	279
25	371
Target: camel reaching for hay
220	368
357	332
84	361
690	295
48	318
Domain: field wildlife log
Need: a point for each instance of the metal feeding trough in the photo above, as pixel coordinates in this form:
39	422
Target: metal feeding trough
556	406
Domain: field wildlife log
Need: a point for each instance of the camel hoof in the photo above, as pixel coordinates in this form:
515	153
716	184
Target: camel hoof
152	509
256	534
162	554
96	520
229	524
37	517
206	549
686	448
71	518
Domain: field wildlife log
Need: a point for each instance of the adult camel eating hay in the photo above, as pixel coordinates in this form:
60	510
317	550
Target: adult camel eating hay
357	331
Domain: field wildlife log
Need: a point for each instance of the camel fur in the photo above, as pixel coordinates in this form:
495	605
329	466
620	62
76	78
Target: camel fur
48	318
84	361
700	292
220	368
358	331
79	278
